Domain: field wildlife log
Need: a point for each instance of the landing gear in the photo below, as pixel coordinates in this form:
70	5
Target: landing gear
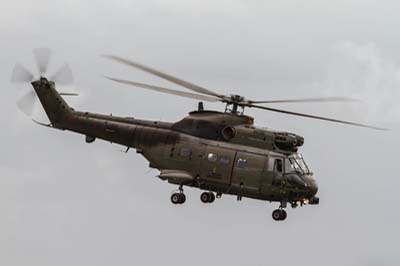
279	215
178	197
207	197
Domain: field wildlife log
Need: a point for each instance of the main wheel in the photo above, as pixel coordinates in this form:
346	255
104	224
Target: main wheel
205	197
212	197
175	198
182	198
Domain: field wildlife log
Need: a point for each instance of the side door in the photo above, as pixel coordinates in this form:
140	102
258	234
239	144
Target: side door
217	165
272	175
247	171
276	164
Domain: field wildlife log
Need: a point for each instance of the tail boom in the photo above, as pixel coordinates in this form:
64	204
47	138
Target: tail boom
140	134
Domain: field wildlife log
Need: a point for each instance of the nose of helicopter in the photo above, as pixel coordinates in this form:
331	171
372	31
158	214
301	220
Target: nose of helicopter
312	186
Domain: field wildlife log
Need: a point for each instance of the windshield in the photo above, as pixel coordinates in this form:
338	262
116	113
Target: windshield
295	162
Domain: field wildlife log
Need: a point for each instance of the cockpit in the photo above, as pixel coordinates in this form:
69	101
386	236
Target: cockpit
293	170
295	163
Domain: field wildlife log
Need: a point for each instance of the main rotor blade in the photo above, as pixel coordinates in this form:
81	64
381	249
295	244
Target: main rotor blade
314	117
21	75
42	58
165	90
63	76
27	103
162	75
306	100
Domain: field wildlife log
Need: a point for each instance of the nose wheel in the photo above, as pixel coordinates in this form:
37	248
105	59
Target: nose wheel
279	215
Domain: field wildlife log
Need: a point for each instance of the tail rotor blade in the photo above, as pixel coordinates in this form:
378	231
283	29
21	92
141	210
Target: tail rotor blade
69	94
27	103
42	58
63	76
21	75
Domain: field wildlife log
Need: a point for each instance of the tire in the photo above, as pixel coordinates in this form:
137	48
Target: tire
276	215
182	198
283	215
175	198
205	197
212	197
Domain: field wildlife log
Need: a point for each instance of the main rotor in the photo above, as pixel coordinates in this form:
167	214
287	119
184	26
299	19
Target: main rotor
235	104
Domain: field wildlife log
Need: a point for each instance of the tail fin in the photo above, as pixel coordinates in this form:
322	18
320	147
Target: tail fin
54	105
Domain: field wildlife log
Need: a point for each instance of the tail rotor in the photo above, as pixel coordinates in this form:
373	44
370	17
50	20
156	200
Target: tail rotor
21	75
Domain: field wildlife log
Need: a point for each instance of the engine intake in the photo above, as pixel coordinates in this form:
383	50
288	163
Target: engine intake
228	132
288	141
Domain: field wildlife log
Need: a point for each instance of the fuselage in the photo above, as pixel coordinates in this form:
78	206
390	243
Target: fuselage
213	151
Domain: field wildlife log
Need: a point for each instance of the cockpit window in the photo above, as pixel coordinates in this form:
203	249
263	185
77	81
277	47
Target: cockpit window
289	167
296	163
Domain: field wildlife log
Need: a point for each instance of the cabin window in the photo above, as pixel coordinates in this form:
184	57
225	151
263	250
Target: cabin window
212	157
241	163
278	165
224	160
185	152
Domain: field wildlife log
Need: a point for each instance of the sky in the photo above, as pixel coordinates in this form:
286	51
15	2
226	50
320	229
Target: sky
65	202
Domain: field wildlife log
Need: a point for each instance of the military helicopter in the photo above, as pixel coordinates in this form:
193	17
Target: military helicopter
217	152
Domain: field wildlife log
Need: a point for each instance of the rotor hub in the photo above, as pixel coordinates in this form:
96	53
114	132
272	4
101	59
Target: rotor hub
237	98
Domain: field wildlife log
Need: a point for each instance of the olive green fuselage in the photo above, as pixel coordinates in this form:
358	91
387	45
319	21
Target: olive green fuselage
218	152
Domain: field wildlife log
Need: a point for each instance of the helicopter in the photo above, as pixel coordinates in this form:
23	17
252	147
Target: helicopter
218	152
